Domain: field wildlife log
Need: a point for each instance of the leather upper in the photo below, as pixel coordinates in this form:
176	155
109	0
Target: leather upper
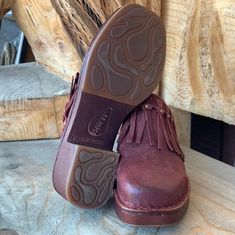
151	173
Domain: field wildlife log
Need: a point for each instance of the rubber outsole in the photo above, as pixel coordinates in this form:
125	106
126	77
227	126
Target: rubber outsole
120	70
91	183
125	61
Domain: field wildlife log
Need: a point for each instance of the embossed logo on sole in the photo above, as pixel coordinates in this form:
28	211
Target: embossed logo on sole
98	125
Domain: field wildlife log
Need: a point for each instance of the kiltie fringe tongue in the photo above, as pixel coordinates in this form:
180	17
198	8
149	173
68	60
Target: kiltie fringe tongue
159	122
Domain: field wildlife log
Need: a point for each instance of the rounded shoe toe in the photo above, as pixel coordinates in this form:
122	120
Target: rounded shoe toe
152	185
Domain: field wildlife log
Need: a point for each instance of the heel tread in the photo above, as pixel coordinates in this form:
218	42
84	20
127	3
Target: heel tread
92	177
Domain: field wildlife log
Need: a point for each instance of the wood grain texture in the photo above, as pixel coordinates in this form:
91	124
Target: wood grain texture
183	126
82	19
200	59
47	37
29	204
61	47
5	6
104	9
31	102
79	24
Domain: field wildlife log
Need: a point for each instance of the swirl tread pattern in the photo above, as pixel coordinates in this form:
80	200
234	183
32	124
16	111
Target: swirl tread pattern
121	68
93	177
127	57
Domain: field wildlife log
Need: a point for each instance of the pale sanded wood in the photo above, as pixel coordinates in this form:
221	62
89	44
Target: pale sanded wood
200	59
61	49
5	6
105	8
183	125
31	102
79	24
29	204
50	42
82	19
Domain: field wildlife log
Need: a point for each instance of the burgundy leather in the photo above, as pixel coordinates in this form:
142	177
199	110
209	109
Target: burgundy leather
151	174
73	89
116	76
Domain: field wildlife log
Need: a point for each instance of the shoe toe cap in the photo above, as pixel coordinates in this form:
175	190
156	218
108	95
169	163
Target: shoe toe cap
155	186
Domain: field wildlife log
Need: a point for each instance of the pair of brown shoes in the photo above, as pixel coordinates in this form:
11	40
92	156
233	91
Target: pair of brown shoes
120	71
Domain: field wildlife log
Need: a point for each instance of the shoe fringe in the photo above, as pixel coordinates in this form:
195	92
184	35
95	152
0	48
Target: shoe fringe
160	126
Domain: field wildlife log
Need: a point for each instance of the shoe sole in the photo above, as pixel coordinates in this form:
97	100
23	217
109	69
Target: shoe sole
120	70
159	218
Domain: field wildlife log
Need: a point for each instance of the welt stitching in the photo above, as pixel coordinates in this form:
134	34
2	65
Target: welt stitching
158	207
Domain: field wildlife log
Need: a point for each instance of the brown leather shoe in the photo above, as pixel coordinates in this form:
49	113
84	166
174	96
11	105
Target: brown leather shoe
152	185
122	67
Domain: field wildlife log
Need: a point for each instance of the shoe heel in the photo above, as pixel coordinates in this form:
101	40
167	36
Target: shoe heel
97	121
91	179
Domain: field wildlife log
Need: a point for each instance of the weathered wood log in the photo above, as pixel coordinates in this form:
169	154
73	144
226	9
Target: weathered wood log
82	19
79	24
200	62
104	9
61	49
5	6
31	102
30	205
50	42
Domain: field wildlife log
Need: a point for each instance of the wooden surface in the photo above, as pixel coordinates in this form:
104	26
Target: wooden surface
29	204
104	8
60	47
183	126
78	23
82	19
50	42
5	6
200	59
200	62
31	102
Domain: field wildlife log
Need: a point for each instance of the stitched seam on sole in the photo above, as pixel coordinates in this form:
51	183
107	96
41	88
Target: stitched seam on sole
159	207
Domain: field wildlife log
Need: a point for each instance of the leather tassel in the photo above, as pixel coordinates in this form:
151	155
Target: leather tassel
159	132
151	134
140	132
124	131
169	130
177	144
166	132
131	135
158	119
154	121
173	131
73	88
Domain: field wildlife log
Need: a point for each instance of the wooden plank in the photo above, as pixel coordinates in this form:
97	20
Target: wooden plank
29	204
31	102
200	59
